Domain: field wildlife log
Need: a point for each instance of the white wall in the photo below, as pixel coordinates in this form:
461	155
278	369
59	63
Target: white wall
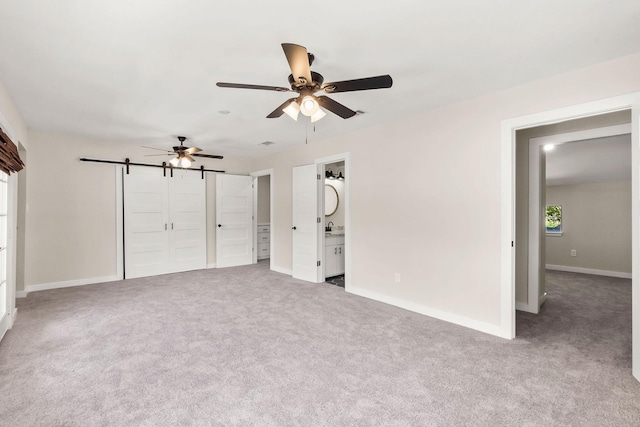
71	233
596	222
437	222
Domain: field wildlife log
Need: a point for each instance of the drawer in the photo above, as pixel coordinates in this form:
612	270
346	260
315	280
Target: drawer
263	237
334	240
263	249
264	228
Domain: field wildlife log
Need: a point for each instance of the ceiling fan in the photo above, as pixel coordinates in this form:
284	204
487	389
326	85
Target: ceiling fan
306	83
184	155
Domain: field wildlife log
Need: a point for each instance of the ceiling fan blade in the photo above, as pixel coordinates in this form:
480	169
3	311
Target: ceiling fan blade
280	110
209	156
188	157
167	154
191	150
298	61
335	107
367	83
259	87
159	149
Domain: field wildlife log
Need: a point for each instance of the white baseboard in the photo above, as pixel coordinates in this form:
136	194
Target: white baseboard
608	273
71	283
286	271
431	312
21	294
212	265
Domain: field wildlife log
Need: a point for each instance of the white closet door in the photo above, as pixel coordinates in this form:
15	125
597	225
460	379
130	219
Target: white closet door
188	221
234	210
306	228
146	236
5	319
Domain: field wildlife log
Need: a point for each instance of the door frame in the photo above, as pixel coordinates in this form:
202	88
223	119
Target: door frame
271	174
508	171
12	235
346	157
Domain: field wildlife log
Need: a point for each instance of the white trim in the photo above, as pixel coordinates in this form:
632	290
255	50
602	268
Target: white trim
582	270
428	311
71	283
286	271
21	294
602	132
119	170
507	257
14	316
211	265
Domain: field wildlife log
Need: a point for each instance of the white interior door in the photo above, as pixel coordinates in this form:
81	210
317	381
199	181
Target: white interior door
5	318
146	242
306	225
187	221
234	220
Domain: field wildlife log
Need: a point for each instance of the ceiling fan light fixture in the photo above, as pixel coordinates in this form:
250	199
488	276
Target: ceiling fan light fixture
309	106
174	162
292	110
318	115
185	163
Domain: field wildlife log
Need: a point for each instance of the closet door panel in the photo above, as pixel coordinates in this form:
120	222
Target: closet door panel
187	213
146	234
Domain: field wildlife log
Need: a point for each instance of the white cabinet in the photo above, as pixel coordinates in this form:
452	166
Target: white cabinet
264	241
333	255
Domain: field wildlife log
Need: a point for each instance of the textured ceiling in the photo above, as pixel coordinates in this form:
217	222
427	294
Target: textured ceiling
144	71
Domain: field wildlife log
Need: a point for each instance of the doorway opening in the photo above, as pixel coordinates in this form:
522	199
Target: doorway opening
263	216
333	223
510	190
335	241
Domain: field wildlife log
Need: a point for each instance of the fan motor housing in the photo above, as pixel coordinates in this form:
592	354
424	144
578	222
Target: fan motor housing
315	84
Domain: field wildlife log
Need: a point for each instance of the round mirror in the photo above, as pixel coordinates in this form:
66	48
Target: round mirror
330	200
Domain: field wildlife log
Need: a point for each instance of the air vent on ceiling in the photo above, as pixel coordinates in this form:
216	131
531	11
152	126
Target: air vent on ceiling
267	143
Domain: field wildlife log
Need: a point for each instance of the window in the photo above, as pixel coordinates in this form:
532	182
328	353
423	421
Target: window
554	220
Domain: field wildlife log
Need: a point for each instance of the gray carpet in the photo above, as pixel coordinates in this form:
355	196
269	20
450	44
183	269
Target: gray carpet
246	346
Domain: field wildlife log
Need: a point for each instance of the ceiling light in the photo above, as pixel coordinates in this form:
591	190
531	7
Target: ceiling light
318	115
185	163
340	176
292	110
548	147
174	162
309	106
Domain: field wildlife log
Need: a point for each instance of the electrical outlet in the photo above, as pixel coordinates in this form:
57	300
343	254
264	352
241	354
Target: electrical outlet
573	252
398	278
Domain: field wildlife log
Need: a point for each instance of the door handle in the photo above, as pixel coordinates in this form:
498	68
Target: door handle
335	251
340	249
219	225
294	228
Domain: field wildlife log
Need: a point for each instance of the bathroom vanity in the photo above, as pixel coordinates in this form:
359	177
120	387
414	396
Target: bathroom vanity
333	254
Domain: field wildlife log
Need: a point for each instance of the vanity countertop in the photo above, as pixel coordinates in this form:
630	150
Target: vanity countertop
334	233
